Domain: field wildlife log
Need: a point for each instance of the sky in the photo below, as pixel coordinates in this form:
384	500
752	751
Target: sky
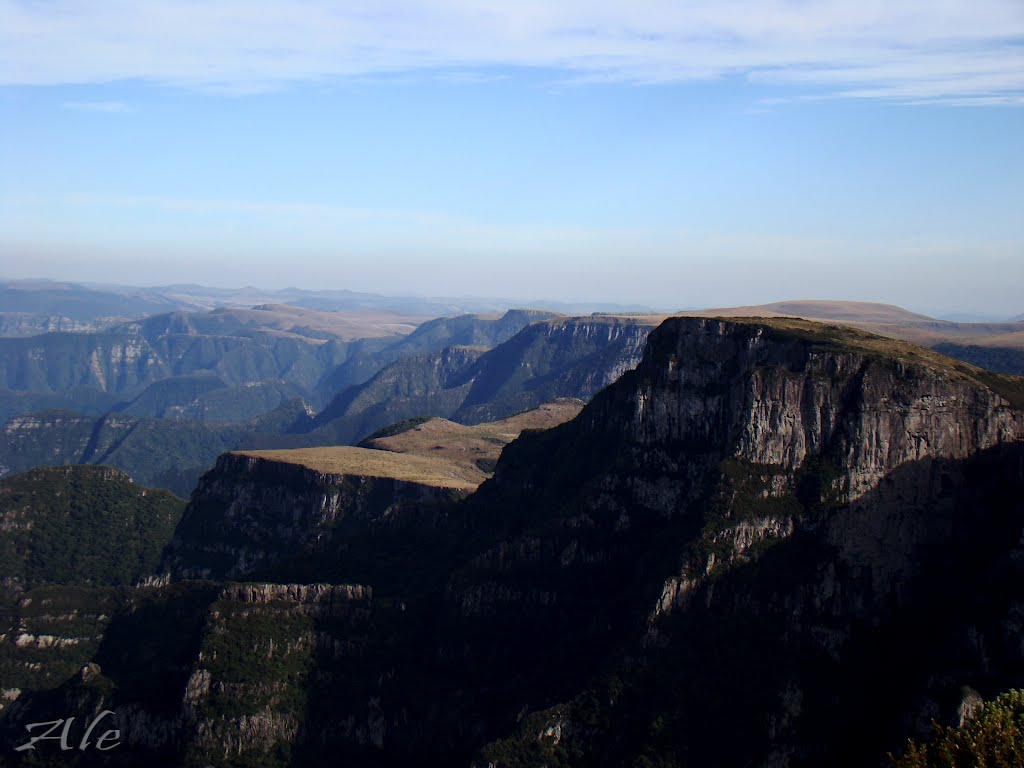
671	154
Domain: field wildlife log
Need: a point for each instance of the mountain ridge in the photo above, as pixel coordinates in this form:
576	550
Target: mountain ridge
719	561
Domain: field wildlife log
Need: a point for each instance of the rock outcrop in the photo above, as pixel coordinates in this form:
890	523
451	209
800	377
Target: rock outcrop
785	499
772	543
561	357
249	514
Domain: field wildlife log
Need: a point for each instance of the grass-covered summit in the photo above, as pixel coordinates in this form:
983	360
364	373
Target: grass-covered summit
839	338
434	452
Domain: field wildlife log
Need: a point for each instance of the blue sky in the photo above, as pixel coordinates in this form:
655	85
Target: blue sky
670	154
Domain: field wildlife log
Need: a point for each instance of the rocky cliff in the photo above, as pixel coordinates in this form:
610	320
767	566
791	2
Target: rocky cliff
563	357
251	513
770	505
559	357
773	543
160	452
163	397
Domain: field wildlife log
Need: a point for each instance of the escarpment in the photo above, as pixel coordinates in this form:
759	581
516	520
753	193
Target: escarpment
307	513
251	512
758	523
772	543
562	357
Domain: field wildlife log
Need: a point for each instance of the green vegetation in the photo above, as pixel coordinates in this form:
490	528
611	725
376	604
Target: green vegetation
992	738
258	657
994	358
567	357
156	452
82	525
152	641
1010	387
394	429
56	630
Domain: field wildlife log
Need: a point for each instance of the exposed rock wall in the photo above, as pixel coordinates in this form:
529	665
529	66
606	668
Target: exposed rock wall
250	512
768	494
770	544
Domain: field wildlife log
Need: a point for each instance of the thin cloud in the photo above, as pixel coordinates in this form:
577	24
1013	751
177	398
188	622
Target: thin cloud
98	106
958	51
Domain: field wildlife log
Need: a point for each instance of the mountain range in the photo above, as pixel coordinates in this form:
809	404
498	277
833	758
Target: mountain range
770	542
175	427
161	396
29	307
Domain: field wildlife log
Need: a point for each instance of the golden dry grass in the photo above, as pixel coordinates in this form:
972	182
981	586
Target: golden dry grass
298	322
1013	340
437	452
463	444
832	336
652	319
884	320
349	460
852	311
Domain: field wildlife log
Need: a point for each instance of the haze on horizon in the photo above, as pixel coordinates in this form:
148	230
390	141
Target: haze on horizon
669	155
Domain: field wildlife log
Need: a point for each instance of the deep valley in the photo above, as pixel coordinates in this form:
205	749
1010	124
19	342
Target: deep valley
750	541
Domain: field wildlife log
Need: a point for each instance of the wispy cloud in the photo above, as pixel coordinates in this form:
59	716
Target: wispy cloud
957	51
98	106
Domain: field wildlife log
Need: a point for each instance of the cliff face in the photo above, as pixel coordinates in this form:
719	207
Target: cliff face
26	324
433	384
560	357
772	405
254	677
185	381
778	400
563	357
159	452
773	543
240	670
250	513
778	497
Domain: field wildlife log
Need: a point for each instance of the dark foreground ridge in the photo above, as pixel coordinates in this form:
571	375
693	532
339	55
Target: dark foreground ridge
773	543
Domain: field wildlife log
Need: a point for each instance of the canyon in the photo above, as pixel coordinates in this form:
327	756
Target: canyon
767	542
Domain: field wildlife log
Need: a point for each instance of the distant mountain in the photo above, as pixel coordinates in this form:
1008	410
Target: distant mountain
166	453
163	397
972	317
771	543
281	319
81	303
171	432
28	307
851	311
204	397
236	357
123	363
481	331
561	357
564	357
89	303
28	324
